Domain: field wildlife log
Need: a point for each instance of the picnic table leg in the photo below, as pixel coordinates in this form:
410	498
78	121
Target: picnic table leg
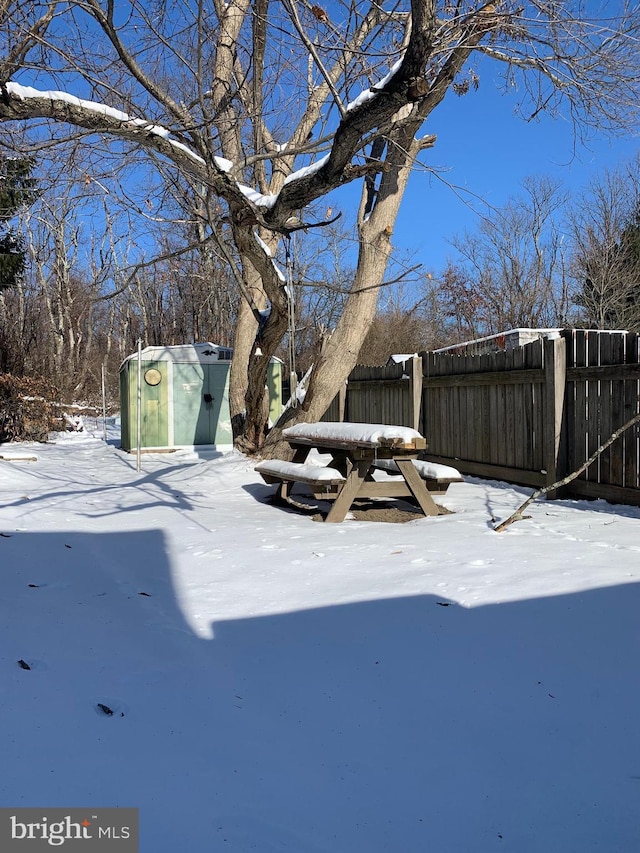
340	461
349	491
417	487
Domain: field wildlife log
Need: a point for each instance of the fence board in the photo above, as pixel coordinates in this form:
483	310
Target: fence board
496	409
458	416
631	451
613	469
605	420
480	426
485	418
569	419
508	436
593	406
580	413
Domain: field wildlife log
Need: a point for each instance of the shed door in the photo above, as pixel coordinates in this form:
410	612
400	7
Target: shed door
154	393
219	383
199	399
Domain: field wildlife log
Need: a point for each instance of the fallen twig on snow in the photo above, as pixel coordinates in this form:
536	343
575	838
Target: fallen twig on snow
517	515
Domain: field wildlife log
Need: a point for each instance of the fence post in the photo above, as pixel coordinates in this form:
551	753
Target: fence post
416	392
555	374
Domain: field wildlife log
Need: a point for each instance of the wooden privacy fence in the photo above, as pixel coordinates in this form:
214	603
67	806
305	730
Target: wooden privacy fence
381	395
529	415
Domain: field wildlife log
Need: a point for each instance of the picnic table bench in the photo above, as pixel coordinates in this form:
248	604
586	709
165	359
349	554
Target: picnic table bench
356	450
437	477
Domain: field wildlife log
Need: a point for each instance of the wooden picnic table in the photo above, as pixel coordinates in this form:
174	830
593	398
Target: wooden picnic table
354	450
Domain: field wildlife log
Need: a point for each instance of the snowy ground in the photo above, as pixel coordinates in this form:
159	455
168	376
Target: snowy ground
283	685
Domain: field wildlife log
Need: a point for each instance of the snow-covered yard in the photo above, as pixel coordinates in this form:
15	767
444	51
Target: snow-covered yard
282	685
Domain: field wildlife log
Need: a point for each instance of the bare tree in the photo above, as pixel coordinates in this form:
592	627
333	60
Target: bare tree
403	325
511	273
271	106
604	228
53	321
319	271
62	287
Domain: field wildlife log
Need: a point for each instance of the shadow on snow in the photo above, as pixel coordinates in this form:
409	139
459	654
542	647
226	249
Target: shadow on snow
405	724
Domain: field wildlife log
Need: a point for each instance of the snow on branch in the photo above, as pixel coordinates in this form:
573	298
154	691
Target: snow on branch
24	93
368	94
306	170
56	104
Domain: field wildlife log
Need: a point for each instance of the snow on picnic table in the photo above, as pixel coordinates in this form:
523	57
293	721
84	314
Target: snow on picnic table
371	434
283	685
299	470
428	470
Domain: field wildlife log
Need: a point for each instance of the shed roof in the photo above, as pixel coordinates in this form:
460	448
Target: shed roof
205	353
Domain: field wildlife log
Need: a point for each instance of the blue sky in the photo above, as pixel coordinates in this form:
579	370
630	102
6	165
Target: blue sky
487	151
483	153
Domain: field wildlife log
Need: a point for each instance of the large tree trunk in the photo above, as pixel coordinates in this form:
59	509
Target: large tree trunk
260	327
340	353
244	337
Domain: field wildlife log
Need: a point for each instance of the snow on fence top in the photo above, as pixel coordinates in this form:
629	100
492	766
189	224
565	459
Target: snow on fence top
370	434
500	342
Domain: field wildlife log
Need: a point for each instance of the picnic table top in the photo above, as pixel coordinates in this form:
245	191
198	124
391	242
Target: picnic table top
332	434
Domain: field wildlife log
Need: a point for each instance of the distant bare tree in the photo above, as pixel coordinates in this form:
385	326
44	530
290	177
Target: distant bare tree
462	303
403	326
511	272
53	321
321	269
604	226
61	292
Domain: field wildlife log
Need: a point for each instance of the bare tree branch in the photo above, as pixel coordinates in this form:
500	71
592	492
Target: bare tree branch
518	516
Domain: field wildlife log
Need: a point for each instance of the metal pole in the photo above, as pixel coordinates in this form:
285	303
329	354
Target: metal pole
139	421
104	406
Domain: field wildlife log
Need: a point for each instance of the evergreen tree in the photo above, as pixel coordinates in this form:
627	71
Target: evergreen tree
17	189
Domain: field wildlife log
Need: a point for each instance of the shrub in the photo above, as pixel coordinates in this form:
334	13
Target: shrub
27	409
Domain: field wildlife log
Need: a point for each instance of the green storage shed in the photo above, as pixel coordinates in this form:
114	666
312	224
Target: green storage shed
184	397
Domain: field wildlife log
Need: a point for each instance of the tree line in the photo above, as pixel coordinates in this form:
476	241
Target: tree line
233	128
77	293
